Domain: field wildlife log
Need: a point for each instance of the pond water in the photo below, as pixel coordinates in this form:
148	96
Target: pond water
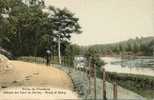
141	66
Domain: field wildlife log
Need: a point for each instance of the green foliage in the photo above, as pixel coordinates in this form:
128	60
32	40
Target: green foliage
29	31
94	57
139	46
64	22
143	85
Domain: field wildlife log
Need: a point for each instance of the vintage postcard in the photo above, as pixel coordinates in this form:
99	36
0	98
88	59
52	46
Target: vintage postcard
77	49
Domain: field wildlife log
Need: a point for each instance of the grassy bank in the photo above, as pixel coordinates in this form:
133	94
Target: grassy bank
143	85
81	86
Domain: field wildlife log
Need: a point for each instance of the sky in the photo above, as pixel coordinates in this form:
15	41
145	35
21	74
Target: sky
109	21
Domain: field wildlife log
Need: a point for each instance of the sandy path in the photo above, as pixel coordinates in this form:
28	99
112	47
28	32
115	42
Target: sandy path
26	74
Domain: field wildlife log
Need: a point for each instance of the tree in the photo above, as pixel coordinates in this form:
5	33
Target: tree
69	52
25	29
3	15
129	47
94	58
95	63
149	48
27	23
64	23
136	47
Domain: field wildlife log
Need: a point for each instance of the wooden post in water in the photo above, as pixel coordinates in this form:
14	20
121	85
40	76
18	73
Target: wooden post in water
115	96
104	85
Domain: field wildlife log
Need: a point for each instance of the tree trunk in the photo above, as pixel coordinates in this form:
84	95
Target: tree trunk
59	53
35	51
18	34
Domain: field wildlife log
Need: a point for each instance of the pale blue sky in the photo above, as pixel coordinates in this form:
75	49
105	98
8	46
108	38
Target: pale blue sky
108	21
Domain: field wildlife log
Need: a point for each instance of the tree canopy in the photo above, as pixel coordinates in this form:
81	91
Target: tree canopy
26	29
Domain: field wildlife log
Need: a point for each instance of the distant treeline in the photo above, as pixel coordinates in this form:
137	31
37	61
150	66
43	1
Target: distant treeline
137	47
28	28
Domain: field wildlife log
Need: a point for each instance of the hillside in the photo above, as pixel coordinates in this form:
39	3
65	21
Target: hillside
142	46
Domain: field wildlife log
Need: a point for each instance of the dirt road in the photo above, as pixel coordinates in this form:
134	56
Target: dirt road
25	74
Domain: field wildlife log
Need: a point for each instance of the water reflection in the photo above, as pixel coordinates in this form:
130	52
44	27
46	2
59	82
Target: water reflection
142	66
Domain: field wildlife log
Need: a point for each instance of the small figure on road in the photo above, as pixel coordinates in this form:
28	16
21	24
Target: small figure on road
48	54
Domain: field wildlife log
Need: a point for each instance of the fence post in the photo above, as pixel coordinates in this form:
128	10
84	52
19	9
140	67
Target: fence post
115	91
95	82
104	85
89	75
